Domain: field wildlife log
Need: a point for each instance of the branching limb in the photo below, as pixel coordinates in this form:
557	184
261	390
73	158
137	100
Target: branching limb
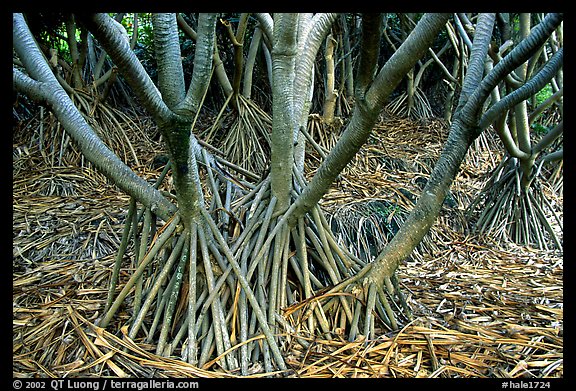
91	145
549	138
558	95
517	56
367	109
202	71
168	57
531	87
104	29
267	26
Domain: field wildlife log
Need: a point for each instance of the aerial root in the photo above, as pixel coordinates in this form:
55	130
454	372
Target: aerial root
233	285
322	136
506	211
421	108
246	140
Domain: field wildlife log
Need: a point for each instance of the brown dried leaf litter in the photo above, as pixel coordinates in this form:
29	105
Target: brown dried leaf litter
481	309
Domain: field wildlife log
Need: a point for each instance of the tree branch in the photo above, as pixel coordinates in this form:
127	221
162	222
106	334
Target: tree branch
507	139
547	103
202	64
118	48
527	90
478	55
92	147
435	58
366	111
168	59
462	31
521	53
320	26
549	138
428	206
266	25
411	50
369	52
554	156
218	64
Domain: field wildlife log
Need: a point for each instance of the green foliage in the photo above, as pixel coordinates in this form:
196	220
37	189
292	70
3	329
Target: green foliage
544	94
50	30
539	129
515	21
538	99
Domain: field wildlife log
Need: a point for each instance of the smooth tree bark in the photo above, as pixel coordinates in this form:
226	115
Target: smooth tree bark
238	43
178	130
518	142
219	70
175	118
282	138
313	30
297	36
171	105
521	108
513	194
250	62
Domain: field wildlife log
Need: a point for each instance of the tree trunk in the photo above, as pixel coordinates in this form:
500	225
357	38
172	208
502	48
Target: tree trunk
168	59
312	31
219	70
178	129
238	41
202	66
284	122
250	62
370	98
73	44
521	111
430	202
240	255
349	74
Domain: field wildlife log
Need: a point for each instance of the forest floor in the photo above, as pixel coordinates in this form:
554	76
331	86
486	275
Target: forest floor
482	308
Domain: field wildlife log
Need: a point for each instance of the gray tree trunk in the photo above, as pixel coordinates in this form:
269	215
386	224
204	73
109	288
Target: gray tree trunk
466	126
284	51
250	62
349	73
459	140
173	109
371	94
168	59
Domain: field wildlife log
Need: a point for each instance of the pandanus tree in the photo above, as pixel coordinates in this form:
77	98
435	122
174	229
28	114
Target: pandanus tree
513	205
84	71
237	266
